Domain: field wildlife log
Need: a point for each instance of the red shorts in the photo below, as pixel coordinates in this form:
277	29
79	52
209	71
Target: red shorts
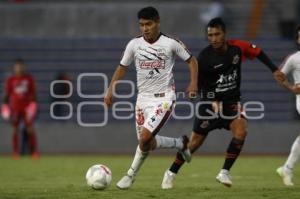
20	115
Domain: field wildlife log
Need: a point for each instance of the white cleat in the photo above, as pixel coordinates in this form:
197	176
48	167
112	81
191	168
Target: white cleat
286	176
125	182
224	178
168	181
185	152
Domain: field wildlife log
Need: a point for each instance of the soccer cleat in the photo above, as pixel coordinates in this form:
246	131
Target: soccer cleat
286	176
15	156
35	156
125	182
224	178
185	152
168	181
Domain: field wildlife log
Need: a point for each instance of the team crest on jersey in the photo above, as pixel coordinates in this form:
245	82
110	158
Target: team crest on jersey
160	52
236	59
140	119
152	53
204	124
253	45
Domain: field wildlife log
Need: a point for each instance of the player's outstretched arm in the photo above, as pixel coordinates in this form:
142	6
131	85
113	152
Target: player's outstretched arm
278	75
193	85
118	74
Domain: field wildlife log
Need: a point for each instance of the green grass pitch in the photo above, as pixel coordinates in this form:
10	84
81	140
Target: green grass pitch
55	177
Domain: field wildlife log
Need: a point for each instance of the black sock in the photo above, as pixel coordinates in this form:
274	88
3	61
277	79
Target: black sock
233	152
179	161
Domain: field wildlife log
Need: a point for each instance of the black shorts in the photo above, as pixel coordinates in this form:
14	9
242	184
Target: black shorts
206	120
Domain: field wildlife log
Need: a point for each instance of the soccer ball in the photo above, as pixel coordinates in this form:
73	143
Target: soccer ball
98	176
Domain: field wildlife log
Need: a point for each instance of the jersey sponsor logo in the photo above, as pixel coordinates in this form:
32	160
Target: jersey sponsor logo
22	87
218	90
236	59
227	78
152	64
227	82
218	66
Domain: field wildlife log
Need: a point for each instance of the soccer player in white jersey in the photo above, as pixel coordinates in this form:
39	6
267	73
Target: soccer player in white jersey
292	65
154	56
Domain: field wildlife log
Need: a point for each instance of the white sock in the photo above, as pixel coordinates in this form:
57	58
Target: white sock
137	162
168	143
294	155
224	171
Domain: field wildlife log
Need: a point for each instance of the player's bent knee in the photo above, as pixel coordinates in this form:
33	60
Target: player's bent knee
241	134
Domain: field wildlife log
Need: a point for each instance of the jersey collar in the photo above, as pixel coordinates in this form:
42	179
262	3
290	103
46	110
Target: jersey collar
160	34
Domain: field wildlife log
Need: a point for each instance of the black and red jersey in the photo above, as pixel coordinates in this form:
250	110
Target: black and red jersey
219	74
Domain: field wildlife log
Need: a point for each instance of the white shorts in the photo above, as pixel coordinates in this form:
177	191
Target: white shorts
152	113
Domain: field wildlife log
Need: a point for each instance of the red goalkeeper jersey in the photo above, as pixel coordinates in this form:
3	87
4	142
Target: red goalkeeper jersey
21	91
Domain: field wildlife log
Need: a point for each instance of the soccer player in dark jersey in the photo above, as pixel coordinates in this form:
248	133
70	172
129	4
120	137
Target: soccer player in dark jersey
219	77
20	105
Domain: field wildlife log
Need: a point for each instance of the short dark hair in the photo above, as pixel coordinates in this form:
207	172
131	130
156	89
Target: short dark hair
297	32
149	13
217	23
19	61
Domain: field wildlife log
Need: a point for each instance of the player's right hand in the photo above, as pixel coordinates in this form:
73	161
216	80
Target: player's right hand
296	89
5	111
279	76
31	110
108	99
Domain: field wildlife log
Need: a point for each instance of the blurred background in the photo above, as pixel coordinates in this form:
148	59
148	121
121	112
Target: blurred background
74	40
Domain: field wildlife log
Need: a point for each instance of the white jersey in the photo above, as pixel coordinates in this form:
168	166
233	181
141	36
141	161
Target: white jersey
292	65
154	63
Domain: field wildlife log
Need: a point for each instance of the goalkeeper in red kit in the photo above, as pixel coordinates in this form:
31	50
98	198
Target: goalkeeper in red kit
19	105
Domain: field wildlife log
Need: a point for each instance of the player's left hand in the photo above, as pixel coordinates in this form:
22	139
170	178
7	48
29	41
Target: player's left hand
279	76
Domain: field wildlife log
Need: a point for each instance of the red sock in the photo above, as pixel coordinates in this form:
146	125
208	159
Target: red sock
15	142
